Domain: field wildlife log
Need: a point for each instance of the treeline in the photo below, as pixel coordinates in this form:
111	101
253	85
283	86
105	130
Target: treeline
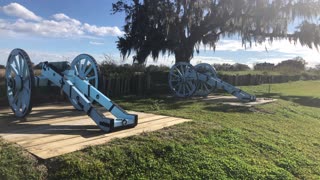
124	70
231	67
295	65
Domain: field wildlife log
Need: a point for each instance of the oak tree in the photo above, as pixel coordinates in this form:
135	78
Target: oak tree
179	27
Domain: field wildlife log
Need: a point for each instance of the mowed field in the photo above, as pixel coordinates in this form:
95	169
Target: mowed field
280	140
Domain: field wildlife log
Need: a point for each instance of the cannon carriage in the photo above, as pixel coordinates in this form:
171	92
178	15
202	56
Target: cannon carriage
78	80
186	80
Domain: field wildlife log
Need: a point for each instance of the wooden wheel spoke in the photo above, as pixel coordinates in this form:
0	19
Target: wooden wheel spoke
88	70
190	84
19	103
182	70
21	65
14	69
184	89
84	66
76	69
188	87
15	98
179	72
91	78
205	86
17	64
179	89
176	85
175	75
25	71
79	67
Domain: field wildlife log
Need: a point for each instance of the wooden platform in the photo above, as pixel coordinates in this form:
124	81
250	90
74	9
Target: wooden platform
233	101
53	130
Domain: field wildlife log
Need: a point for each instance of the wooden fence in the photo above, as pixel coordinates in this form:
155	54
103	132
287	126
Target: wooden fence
157	82
137	84
154	83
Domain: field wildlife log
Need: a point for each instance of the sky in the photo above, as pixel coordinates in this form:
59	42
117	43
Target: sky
56	30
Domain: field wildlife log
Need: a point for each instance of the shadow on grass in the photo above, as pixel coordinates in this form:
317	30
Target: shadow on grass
301	100
227	108
174	103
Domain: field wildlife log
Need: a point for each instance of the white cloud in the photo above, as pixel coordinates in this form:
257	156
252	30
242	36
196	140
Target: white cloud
60	25
63	17
17	10
41	56
96	43
276	52
102	31
211	60
47	28
170	61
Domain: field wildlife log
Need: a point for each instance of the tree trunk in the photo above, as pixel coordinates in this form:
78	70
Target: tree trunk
184	53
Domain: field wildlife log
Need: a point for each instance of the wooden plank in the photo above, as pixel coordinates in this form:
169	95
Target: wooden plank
57	128
78	139
53	130
39	128
37	139
60	128
49	153
25	125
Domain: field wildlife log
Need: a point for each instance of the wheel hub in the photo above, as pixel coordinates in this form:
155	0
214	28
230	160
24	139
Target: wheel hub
183	79
11	83
18	83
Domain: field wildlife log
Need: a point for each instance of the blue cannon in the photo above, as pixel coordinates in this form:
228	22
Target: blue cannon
78	80
186	80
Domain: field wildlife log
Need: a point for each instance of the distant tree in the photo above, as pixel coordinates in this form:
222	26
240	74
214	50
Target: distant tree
155	68
240	67
294	65
2	66
229	67
264	66
179	27
222	67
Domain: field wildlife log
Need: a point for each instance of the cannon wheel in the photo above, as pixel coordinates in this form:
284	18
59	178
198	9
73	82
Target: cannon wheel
85	67
203	89
19	82
183	79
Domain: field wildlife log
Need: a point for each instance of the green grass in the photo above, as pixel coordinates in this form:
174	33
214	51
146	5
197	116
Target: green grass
274	141
273	73
16	163
252	72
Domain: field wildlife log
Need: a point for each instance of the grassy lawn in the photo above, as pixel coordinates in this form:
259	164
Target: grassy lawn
252	72
274	141
269	73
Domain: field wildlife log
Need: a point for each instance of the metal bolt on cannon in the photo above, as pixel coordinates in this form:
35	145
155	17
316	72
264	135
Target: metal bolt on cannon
186	80
79	81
